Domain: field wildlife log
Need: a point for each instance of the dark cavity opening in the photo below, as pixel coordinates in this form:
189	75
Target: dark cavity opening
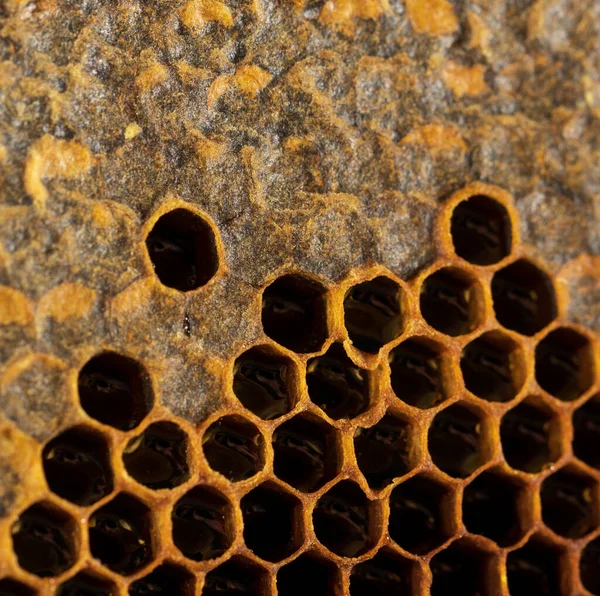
383	575
236	577
307	575
586	425
533	569
9	587
589	564
165	579
87	584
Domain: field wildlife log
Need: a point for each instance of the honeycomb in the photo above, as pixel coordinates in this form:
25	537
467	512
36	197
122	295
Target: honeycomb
437	435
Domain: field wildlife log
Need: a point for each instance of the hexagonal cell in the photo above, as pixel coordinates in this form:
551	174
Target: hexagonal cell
120	535
87	583
386	574
77	466
234	447
493	367
294	313
454	441
271	522
586	435
115	390
481	230
534	569
420	375
384	451
202	524
308	574
44	540
524	298
452	301
11	587
157	458
167	579
342	520
564	364
305	452
525	432
183	250
589	563
493	507
339	387
461	568
373	313
236	577
569	503
420	515
263	381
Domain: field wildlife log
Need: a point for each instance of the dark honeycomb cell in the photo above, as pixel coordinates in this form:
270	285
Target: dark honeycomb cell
294	313
305	452
492	506
384	451
77	466
115	390
451	301
569	503
589	566
234	447
454	441
44	540
493	367
202	524
308	574
533	569
167	579
525	432
420	375
236	577
157	458
586	428
481	230
341	520
386	574
373	313
183	250
263	381
339	387
420	514
564	364
120	535
11	587
524	298
87	584
271	522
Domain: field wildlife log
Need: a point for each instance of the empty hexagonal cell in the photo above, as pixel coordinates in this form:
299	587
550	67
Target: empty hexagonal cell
586	432
308	574
339	387
236	577
263	381
564	364
120	535
115	390
373	313
384	451
525	432
167	579
77	466
589	564
451	301
420	514
570	503
157	458
87	583
183	250
271	522
420	374
524	298
202	524
534	569
11	587
481	230
305	452
294	313
493	367
455	442
461	568
342	520
386	574
234	447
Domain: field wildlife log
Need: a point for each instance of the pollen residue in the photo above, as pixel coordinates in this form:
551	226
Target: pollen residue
465	80
15	308
65	301
339	11
197	13
435	17
435	137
